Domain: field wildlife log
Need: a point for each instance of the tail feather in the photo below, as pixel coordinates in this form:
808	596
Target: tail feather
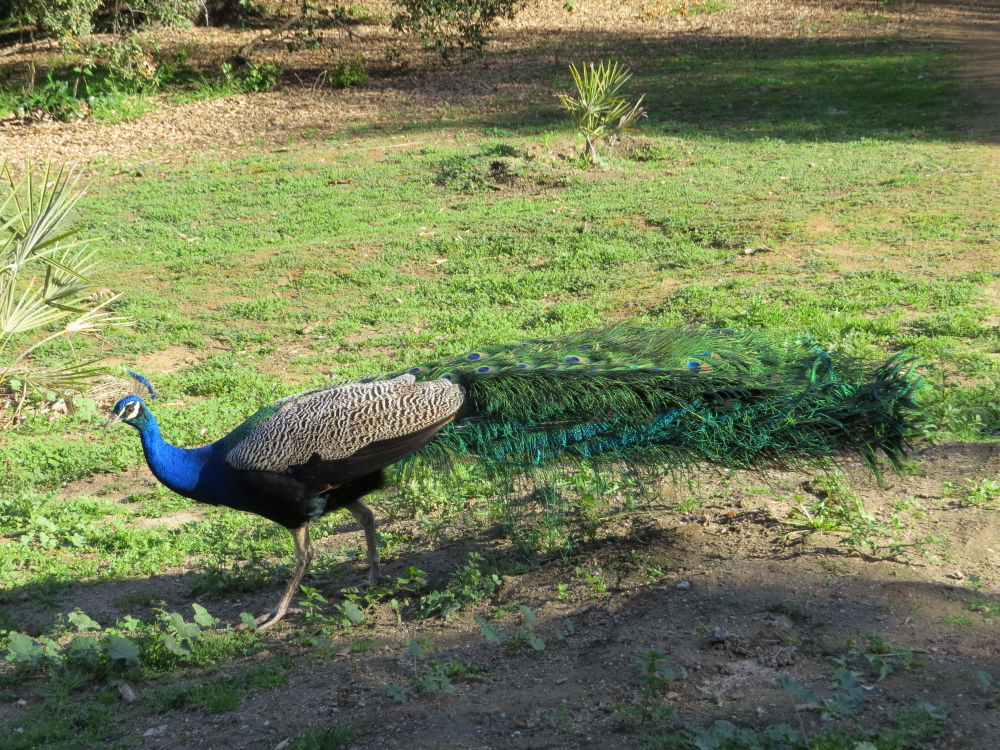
669	397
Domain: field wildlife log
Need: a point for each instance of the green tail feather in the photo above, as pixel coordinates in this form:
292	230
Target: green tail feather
662	398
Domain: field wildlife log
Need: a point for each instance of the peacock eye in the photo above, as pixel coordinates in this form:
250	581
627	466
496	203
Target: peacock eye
131	411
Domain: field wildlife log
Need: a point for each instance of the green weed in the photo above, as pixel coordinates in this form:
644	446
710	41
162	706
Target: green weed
982	492
958	620
883	656
214	696
332	738
837	509
431	676
469	584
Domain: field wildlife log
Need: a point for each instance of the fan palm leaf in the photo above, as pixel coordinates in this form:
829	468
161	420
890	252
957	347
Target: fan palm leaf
46	279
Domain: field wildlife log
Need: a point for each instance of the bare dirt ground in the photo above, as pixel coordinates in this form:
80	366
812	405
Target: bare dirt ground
720	589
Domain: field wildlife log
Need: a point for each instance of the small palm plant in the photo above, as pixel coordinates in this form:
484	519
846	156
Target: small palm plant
46	288
599	112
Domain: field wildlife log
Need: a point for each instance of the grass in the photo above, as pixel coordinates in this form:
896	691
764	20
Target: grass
341	255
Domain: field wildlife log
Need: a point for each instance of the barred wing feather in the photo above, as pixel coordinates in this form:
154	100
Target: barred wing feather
335	423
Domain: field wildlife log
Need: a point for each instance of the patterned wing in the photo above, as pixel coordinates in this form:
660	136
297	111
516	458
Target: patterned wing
335	423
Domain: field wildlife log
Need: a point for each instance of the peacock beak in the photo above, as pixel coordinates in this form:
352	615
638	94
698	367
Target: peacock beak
115	417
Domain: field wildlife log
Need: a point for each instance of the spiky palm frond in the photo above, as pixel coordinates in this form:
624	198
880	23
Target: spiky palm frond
59	379
599	109
46	278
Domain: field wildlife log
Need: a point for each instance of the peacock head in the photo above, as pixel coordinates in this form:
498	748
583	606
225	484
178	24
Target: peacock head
131	409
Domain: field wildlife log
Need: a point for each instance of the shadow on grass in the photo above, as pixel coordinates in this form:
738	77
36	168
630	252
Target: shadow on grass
737	88
727	635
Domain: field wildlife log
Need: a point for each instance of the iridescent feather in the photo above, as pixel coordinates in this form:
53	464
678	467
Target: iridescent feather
661	398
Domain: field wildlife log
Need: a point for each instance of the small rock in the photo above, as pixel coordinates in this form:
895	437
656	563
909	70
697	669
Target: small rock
718	636
283	744
127	693
683	585
155	731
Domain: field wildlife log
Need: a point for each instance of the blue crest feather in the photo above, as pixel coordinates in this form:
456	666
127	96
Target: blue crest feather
141	380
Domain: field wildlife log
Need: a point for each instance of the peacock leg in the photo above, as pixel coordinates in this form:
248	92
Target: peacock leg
364	516
303	556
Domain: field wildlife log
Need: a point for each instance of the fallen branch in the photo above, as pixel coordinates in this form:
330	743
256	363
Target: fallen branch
242	55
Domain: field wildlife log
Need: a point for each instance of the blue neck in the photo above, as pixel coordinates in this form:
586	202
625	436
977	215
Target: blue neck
202	474
196	473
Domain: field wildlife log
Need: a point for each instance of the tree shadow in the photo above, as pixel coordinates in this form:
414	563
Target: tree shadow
739	88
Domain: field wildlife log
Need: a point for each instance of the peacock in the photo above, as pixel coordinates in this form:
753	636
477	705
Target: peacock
625	395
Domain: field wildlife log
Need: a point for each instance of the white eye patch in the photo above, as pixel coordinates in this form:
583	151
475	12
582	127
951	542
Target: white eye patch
131	411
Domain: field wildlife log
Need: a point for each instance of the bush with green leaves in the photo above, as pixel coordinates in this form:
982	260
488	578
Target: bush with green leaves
47	284
79	18
59	98
344	74
105	74
599	111
61	18
128	63
256	77
104	69
98	652
452	25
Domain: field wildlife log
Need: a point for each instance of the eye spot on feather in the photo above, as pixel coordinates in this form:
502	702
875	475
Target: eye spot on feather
485	368
525	366
475	355
587	347
447	376
695	365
